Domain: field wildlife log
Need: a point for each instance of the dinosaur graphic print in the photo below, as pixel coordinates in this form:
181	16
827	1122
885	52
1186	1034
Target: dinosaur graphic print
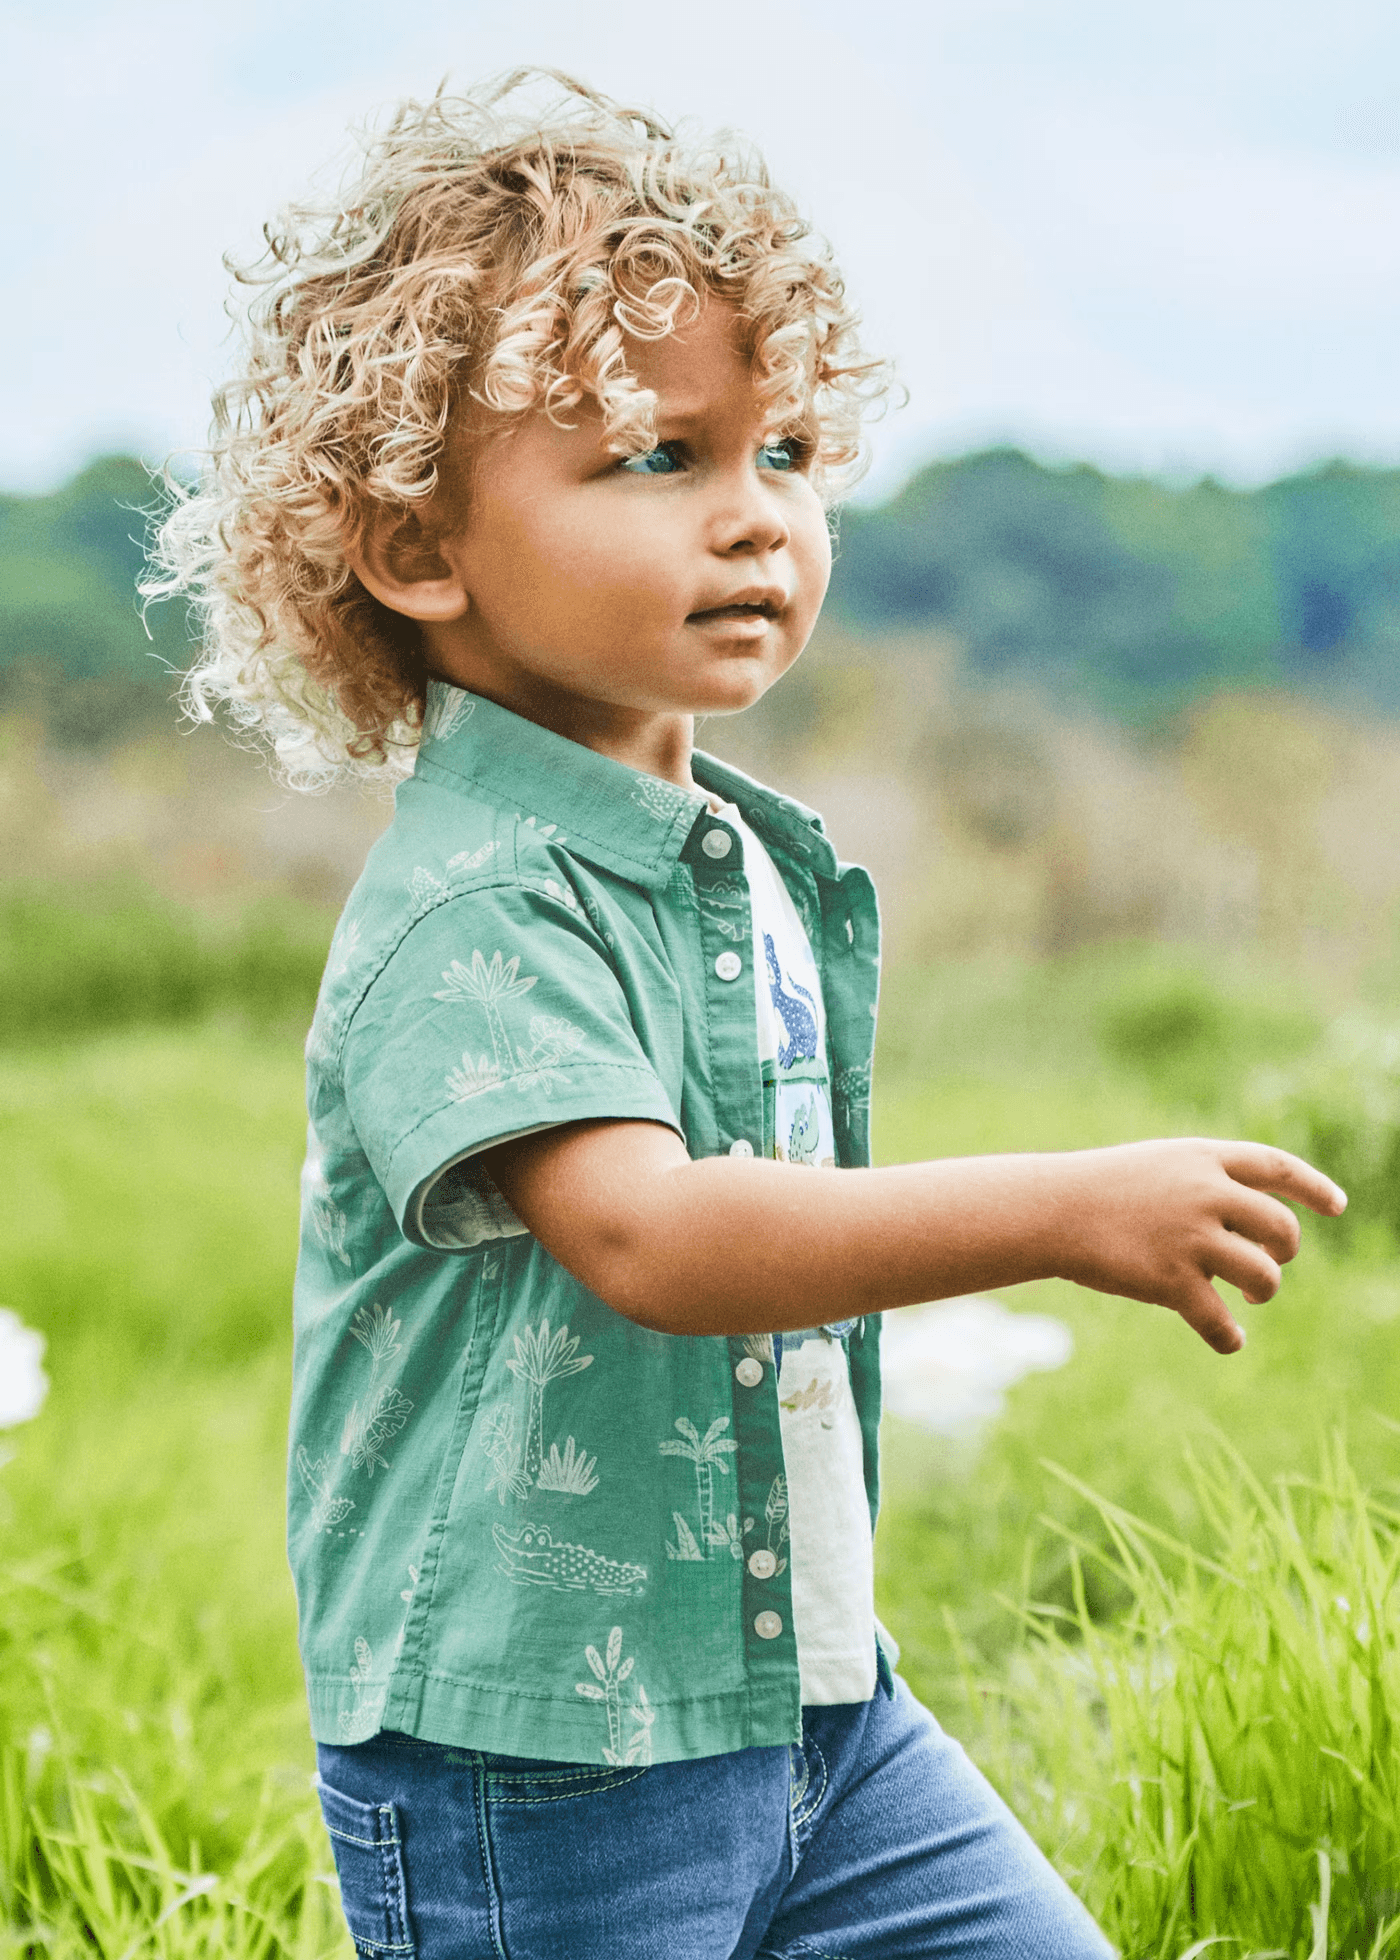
796	1010
532	1557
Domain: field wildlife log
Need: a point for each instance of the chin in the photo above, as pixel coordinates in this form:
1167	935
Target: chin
731	693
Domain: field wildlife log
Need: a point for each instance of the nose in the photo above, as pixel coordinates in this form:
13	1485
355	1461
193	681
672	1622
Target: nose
748	519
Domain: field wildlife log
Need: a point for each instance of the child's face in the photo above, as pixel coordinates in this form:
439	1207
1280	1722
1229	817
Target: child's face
597	591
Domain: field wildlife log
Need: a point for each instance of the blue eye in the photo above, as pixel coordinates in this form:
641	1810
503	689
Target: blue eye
664	460
778	455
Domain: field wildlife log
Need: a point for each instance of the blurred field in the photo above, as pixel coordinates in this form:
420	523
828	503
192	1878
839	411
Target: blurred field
1198	1731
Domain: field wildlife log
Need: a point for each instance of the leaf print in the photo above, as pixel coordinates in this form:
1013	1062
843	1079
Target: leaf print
686	1545
330	1225
376	1330
498	1440
343	950
571	1473
775	1513
359	1723
552	1038
473	1078
638	1746
327	1509
365	1435
816	1395
728	1534
385	1410
641	1712
448	708
760	1346
473	860
562	892
708	1455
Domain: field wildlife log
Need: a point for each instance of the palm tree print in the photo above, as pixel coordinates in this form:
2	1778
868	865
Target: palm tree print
539	1359
609	1673
534	1062
489	985
707	1453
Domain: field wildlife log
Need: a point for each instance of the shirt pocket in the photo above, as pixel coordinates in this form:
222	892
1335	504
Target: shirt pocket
369	1862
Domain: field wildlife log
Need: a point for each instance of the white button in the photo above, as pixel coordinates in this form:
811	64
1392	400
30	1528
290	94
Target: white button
768	1626
749	1372
762	1565
716	843
729	966
828	1422
741	1147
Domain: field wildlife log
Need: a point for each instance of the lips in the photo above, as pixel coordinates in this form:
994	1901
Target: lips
765	604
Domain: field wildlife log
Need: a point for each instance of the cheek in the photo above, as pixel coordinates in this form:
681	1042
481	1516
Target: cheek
811	551
585	560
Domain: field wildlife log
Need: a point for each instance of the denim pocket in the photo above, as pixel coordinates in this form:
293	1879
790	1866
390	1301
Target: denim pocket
522	1779
369	1861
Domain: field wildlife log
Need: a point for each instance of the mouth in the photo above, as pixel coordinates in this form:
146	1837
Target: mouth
766	607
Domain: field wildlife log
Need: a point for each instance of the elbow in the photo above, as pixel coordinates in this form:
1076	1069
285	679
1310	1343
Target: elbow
626	1276
635	1290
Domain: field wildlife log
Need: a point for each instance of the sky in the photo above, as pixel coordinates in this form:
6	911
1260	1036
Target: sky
1164	240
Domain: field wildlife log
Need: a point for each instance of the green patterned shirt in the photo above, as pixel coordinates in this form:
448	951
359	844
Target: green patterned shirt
518	1520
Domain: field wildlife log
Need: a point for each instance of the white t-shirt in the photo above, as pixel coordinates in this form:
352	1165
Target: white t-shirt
833	1577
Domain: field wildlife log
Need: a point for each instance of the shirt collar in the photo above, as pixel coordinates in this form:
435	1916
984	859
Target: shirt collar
618	818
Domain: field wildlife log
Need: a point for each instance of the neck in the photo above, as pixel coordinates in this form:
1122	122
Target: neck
657	743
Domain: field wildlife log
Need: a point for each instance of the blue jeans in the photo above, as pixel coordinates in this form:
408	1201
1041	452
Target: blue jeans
874	1839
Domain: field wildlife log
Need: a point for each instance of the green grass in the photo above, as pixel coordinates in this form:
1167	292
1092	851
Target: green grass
1177	1705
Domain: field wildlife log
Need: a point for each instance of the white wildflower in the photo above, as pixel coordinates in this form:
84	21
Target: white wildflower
948	1367
23	1383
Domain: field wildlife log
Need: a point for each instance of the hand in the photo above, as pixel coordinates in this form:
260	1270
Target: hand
1159	1221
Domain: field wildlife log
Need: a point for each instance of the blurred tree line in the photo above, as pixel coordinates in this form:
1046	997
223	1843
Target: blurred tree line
74	654
1133	598
1124	597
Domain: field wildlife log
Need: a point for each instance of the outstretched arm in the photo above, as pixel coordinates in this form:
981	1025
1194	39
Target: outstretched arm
734	1245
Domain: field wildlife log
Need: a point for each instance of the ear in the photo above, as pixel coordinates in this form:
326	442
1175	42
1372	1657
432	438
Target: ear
399	561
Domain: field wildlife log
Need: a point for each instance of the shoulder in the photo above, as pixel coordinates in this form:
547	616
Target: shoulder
494	881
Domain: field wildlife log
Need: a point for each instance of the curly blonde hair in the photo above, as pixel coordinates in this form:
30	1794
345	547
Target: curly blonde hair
478	254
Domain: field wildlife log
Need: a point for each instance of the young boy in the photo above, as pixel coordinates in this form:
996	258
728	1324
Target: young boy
531	455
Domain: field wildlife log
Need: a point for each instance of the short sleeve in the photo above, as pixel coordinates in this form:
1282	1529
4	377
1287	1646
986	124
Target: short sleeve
498	1013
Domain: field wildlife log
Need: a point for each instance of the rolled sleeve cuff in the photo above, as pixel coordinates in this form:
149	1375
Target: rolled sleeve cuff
447	1139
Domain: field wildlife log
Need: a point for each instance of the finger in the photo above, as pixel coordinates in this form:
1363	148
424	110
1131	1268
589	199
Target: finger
1247	1266
1268	1169
1264	1220
1201	1307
